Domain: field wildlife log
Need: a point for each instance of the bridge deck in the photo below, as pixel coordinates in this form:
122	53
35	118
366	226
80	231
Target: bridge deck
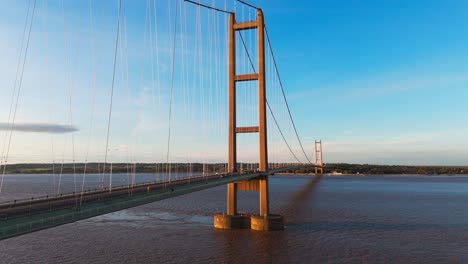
22	217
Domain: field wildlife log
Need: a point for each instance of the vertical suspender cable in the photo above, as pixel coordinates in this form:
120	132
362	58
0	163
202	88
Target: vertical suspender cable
12	101
67	81
18	96
153	98
93	62
111	101
125	67
158	77
47	55
172	88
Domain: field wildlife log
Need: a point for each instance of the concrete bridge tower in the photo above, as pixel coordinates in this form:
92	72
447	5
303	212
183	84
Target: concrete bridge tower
264	220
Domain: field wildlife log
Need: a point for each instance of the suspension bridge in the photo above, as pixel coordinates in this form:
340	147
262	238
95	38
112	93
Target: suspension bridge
247	71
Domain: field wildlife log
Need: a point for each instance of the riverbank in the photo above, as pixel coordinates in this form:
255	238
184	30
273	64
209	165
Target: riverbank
331	169
369	169
364	175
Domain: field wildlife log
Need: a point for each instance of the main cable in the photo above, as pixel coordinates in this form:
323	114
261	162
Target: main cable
247	4
209	7
284	95
268	105
280	82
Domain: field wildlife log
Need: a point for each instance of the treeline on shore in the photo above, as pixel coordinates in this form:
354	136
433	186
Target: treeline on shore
345	168
340	168
67	168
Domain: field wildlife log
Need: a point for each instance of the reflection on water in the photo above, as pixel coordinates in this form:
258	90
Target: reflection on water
339	219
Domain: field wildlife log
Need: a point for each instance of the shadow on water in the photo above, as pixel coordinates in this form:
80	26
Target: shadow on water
268	246
294	207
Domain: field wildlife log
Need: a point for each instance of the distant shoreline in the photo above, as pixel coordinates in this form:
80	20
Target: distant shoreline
330	169
279	174
365	175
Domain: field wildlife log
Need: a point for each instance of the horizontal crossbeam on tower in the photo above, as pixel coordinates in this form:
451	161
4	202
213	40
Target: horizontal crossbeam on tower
253	129
246	77
245	25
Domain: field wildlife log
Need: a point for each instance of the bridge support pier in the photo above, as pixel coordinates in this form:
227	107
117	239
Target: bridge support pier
261	222
267	222
223	221
232	220
232	198
254	222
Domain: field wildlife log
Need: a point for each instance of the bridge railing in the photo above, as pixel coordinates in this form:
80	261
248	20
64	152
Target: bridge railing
75	199
88	191
136	185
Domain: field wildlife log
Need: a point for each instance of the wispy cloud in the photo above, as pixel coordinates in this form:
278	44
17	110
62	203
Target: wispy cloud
39	128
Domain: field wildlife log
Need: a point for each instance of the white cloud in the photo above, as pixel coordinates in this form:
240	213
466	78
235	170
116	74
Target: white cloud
38	128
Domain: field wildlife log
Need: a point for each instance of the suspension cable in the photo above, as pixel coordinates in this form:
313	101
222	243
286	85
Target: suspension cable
91	122
284	95
271	111
13	95
51	104
247	4
209	7
280	82
172	88
18	95
281	132
111	96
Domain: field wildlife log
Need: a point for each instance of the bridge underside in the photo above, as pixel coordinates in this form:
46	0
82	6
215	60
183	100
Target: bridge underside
33	215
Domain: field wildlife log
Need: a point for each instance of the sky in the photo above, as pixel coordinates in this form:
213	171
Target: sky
379	82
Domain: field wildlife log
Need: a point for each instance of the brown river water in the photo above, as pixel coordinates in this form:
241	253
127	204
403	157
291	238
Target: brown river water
336	219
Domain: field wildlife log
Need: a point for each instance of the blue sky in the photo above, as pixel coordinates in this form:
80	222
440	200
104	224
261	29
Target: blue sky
379	82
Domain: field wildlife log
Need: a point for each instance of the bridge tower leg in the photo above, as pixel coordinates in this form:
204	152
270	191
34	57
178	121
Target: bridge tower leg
263	221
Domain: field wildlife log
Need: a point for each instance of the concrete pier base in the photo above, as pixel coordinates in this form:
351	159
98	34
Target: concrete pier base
254	222
266	223
223	221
